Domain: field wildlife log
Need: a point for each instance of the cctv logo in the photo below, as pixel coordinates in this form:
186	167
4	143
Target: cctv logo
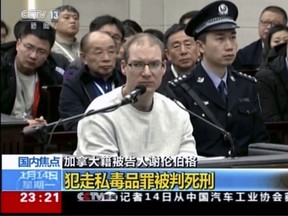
97	196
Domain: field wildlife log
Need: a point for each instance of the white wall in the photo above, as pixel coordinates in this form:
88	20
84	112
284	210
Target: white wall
158	14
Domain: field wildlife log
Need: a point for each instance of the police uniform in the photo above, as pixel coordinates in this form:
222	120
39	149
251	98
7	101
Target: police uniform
240	114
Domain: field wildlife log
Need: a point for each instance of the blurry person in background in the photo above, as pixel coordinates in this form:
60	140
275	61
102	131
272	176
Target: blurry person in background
250	56
25	69
4	31
129	33
65	20
106	23
181	52
185	18
277	35
57	59
133	24
97	76
272	85
159	34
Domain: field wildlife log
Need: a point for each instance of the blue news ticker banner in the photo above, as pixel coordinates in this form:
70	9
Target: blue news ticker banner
46	173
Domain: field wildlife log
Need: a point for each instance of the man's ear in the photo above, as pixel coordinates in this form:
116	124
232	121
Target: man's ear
167	54
83	57
200	47
17	44
54	25
123	67
164	67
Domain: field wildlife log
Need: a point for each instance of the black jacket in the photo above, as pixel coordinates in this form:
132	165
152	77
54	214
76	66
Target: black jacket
241	118
273	89
249	57
168	76
46	73
78	92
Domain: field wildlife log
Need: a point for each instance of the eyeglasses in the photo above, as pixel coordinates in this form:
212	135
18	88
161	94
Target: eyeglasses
117	38
140	66
267	23
30	49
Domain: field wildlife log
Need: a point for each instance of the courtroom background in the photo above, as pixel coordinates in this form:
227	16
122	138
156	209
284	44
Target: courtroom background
159	14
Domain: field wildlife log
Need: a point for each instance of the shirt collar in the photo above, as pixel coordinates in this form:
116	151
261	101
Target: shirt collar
175	72
64	42
215	79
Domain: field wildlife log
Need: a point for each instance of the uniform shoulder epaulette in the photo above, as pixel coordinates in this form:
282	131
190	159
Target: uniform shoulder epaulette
245	76
180	79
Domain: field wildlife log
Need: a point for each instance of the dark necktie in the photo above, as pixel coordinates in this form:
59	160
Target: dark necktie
221	89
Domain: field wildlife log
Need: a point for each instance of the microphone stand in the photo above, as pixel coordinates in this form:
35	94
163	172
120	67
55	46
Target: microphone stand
41	132
227	135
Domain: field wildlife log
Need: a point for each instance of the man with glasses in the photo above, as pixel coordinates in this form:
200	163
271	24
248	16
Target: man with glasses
95	78
250	56
25	70
153	126
106	23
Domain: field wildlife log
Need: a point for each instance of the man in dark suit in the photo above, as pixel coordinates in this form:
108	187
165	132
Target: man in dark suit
250	57
230	96
273	85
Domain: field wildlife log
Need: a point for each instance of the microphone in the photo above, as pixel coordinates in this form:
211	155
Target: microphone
227	135
132	97
41	132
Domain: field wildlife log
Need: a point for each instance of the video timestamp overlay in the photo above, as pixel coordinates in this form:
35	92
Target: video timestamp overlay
56	184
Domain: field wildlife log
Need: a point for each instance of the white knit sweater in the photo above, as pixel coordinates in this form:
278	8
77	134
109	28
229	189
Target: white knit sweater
164	131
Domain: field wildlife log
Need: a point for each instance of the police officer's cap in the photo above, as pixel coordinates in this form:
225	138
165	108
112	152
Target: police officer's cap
219	15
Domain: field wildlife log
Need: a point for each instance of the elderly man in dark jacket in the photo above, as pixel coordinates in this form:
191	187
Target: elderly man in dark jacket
98	76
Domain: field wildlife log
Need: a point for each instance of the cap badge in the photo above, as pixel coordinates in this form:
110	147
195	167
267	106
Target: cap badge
223	9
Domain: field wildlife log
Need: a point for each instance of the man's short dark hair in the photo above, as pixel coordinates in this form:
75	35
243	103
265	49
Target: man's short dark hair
58	10
19	26
159	34
101	21
40	29
278	10
172	30
133	24
188	15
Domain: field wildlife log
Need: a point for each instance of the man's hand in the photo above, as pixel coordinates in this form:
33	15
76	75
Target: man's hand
36	122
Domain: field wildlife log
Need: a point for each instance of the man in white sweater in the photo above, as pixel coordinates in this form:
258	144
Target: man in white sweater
153	126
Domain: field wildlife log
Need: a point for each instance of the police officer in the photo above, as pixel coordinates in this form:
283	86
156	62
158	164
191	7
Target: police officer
231	97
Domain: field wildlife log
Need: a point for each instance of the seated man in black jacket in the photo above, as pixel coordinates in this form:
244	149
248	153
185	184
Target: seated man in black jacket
25	69
273	85
250	56
98	76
